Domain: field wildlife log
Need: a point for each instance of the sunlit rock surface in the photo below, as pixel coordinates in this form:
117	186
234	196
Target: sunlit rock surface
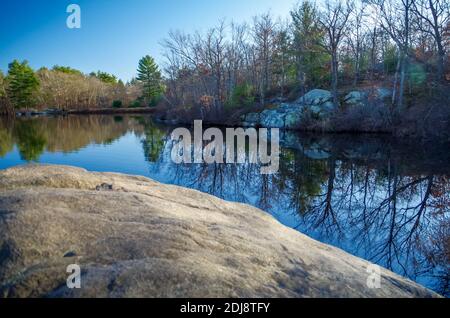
317	103
365	97
316	97
356	98
134	237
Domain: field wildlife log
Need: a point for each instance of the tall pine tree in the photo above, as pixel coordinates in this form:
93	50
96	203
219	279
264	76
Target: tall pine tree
151	79
311	61
22	84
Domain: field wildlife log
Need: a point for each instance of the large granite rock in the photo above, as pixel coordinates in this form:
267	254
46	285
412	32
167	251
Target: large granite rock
316	97
356	98
383	93
272	118
318	103
362	97
134	237
285	116
251	120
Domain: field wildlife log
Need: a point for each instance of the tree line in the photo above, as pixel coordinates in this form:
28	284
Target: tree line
65	88
331	45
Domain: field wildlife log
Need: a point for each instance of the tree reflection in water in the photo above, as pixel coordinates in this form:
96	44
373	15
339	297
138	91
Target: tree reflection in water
374	197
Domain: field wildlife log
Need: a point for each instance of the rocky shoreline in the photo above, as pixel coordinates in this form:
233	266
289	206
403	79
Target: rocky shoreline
316	104
134	237
362	111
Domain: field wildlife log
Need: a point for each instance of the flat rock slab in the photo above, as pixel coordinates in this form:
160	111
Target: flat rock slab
133	237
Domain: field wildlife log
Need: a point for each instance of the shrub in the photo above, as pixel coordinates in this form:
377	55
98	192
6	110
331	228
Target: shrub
371	118
154	101
390	59
135	104
242	96
117	104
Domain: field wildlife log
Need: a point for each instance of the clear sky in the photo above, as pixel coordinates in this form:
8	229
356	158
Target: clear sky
115	34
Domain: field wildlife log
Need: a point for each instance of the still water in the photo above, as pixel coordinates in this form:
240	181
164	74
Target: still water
381	199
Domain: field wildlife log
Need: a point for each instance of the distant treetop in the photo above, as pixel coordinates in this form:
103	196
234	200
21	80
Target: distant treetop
105	77
67	70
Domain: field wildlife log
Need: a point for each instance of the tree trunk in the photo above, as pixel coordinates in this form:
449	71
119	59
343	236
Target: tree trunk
334	77
404	53
356	79
440	46
441	63
301	75
401	92
397	72
372	54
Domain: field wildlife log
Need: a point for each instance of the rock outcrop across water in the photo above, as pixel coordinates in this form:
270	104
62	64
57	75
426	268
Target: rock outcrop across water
134	237
316	104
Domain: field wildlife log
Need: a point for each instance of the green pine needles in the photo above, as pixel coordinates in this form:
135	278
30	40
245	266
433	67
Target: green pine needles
22	84
151	79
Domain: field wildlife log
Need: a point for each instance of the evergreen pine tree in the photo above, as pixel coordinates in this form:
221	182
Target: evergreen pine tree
151	79
311	60
22	84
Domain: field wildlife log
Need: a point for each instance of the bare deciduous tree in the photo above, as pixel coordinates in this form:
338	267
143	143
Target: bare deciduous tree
435	15
334	19
394	17
264	37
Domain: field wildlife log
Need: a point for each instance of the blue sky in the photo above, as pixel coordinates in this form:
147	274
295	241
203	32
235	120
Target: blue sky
115	34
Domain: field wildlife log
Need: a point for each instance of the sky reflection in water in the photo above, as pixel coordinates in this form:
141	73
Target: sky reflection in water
377	198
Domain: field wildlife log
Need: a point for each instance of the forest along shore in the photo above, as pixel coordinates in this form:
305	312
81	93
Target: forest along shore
179	239
89	111
331	68
360	111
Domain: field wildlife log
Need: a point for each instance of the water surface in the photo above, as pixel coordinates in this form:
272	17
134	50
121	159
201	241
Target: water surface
381	199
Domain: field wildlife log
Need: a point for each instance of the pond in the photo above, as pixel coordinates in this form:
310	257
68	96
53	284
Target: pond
381	199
